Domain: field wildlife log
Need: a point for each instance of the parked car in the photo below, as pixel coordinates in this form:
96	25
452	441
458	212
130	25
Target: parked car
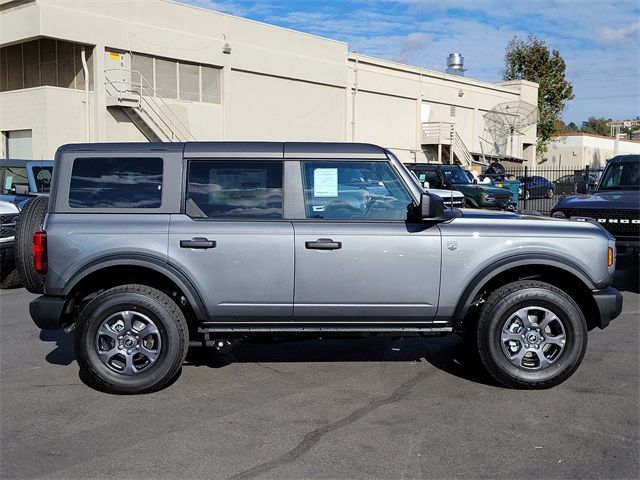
453	177
207	242
535	187
8	214
451	198
615	203
566	185
21	181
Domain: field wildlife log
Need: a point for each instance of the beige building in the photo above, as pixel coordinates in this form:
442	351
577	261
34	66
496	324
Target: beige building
75	71
578	150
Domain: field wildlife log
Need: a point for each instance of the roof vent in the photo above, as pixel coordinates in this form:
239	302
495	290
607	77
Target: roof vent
455	62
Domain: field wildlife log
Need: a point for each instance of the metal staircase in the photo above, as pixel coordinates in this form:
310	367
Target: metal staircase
129	91
444	134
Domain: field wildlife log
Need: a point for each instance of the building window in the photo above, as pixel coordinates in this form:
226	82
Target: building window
43	62
176	80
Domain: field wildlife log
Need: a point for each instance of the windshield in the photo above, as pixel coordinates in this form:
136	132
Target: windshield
455	175
621	176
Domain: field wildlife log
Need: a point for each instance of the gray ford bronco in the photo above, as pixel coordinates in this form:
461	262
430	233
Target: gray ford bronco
148	248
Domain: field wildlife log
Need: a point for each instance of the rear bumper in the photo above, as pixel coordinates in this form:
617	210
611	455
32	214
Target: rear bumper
47	312
609	302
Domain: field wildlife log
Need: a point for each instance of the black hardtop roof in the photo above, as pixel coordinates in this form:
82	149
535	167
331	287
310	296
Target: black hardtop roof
239	149
625	159
18	162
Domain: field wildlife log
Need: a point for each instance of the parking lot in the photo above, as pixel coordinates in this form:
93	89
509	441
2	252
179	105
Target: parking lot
320	408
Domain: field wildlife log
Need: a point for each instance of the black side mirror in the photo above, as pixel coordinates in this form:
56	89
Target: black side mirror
431	206
582	187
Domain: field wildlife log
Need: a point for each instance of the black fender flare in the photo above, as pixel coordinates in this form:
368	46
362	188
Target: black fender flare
491	271
146	261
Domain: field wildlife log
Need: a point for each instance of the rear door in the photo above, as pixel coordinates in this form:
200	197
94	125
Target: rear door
232	239
357	258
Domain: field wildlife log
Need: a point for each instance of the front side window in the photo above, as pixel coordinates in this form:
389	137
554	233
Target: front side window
116	183
347	190
235	189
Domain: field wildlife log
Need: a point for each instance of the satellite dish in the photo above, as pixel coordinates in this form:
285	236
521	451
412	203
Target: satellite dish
506	120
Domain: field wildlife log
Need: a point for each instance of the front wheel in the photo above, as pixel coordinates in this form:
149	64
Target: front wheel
531	334
131	339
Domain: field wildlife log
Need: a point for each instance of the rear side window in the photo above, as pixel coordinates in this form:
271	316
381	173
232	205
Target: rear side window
116	183
235	189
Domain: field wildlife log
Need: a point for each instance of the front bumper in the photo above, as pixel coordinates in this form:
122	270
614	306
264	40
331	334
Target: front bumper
609	302
47	312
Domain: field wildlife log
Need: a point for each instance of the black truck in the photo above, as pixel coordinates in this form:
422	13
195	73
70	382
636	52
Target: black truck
614	204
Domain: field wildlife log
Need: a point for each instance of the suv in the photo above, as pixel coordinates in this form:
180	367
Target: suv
615	203
20	182
150	248
453	177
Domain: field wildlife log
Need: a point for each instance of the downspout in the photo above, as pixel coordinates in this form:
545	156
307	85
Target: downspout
85	69
353	103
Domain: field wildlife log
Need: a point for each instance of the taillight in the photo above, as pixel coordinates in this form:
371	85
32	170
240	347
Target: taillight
40	251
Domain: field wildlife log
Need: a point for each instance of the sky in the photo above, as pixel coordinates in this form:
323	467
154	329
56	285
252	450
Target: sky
599	40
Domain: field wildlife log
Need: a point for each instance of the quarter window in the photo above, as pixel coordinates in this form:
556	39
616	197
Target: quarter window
353	190
116	183
235	190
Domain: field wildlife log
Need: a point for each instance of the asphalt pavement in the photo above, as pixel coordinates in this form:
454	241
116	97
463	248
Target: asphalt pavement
387	408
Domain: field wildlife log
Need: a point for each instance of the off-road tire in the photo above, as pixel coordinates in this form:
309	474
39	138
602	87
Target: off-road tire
500	305
30	220
172	328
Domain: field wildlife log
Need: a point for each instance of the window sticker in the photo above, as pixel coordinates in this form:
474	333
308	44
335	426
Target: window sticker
8	181
325	182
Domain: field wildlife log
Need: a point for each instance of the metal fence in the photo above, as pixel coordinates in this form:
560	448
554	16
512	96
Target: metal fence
541	188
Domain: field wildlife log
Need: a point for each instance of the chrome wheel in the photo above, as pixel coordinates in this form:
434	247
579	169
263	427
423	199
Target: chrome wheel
128	342
533	338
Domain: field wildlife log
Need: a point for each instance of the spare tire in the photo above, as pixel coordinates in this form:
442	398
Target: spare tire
30	220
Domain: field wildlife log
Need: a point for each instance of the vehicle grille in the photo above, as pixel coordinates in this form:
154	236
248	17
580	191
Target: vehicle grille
618	222
456	203
8	225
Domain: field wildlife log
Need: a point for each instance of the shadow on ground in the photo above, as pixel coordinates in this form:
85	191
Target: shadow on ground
448	354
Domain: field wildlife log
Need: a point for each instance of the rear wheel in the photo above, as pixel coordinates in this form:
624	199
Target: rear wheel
30	220
131	339
531	334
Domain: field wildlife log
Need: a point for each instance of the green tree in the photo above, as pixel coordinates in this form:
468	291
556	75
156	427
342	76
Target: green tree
572	127
596	126
532	60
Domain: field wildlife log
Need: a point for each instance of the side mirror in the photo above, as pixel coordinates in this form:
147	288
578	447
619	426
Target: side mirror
582	187
22	189
426	185
431	206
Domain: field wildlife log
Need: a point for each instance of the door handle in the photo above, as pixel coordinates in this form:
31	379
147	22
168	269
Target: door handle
323	244
198	242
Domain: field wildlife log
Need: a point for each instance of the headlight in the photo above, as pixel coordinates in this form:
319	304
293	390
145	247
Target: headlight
559	214
488	198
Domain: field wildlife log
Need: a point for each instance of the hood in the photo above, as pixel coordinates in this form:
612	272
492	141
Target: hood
614	199
470	188
7	208
446	193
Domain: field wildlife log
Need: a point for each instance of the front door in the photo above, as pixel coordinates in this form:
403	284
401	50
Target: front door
232	241
357	257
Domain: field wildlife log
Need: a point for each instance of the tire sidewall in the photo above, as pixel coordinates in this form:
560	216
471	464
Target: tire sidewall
568	313
170	338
